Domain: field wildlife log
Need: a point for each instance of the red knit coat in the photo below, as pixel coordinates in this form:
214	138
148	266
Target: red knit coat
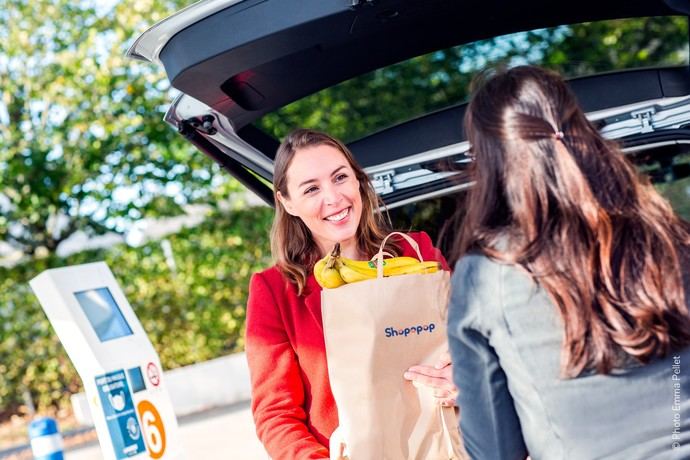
292	403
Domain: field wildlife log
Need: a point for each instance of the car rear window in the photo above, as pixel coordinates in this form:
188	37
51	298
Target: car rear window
403	91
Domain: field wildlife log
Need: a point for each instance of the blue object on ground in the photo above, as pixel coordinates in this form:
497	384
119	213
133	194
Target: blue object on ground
46	440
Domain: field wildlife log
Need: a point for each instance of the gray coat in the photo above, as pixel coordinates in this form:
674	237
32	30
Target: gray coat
505	340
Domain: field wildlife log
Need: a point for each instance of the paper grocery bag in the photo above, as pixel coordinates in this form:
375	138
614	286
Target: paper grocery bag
374	331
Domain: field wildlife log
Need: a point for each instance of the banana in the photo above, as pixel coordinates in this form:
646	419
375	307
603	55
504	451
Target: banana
351	275
331	277
326	270
326	276
418	268
318	270
334	270
368	267
357	270
395	262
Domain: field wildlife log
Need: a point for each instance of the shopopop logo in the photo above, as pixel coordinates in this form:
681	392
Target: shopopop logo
394	332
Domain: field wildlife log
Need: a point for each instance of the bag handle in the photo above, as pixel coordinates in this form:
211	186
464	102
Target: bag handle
378	258
449	422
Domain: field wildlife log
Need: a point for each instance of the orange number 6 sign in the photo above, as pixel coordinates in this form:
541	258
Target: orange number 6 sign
152	426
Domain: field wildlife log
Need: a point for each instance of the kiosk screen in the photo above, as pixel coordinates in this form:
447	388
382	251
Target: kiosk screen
103	313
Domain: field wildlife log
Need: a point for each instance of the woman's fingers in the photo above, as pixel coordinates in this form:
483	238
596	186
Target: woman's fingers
443	360
434	378
440	379
447	402
442	393
446	397
429	371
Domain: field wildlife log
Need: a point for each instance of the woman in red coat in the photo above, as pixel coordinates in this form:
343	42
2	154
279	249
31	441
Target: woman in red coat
322	197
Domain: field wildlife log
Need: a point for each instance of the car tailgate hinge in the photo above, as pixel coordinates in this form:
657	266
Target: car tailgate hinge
383	182
646	117
203	124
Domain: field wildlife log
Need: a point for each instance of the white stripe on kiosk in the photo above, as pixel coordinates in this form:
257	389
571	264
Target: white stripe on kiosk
115	359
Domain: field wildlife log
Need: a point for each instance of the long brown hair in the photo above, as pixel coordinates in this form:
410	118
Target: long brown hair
573	211
292	246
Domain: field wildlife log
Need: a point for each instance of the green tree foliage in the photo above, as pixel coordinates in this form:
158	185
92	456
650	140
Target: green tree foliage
82	141
588	48
675	188
192	314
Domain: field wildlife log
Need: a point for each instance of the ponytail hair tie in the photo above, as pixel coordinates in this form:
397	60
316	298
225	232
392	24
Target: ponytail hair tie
558	135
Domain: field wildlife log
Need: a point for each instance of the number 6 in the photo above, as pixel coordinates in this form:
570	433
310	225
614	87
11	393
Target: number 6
152	426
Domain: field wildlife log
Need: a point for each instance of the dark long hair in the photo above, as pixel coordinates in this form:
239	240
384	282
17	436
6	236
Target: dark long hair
292	245
573	211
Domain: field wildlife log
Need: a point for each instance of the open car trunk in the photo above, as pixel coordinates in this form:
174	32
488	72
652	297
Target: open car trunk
236	61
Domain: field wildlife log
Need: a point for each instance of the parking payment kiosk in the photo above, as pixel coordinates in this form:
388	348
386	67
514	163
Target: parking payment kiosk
119	367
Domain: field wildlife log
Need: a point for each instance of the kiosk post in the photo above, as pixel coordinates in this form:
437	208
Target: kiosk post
117	363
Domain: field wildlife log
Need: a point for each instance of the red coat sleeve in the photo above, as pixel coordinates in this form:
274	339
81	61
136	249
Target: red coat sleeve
277	388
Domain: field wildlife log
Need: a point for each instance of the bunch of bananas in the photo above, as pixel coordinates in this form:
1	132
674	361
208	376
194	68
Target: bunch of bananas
335	270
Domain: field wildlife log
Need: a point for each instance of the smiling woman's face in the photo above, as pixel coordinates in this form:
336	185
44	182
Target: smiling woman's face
324	192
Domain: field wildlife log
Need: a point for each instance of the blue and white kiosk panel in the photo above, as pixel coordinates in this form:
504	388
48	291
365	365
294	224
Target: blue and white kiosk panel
116	361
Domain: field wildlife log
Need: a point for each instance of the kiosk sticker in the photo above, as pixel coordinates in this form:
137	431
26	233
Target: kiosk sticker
118	408
153	374
154	430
